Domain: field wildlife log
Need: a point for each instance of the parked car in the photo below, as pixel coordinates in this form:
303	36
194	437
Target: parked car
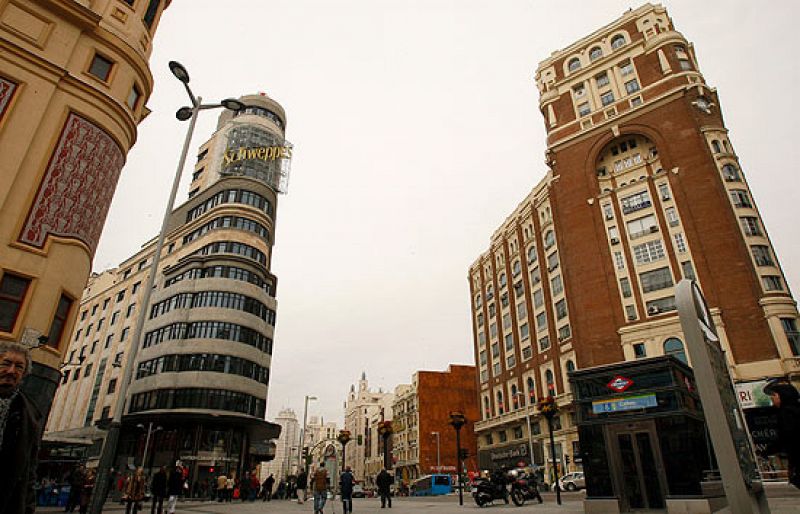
358	491
572	481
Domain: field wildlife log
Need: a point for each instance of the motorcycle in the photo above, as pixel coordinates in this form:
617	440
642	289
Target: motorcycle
523	487
485	491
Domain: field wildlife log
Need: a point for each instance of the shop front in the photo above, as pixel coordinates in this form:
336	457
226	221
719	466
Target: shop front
514	455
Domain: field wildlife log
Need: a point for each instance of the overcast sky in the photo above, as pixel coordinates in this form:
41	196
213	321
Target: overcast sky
416	132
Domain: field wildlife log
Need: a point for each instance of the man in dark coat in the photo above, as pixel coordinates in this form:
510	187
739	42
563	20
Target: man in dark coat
384	482
20	425
174	487
787	400
266	488
158	487
346	482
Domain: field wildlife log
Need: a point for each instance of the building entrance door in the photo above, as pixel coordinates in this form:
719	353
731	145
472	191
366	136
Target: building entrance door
639	466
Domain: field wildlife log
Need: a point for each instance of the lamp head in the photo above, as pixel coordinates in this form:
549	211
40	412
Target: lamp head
234	105
184	113
179	71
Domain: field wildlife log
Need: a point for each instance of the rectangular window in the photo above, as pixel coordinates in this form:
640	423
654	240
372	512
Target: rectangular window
541	321
538	298
59	321
557	285
136	287
630	311
636	101
632	86
561	309
524	331
109	339
750	225
483	358
639	350
527	353
480	319
120	296
506	321
740	198
511	361
772	283
564	333
656	279
663	191
124	334
519	289
522	311
536	276
642	226
626	68
544	343
607	98
625	286
672	216
65	378
112	386
509	342
688	270
762	255
602	79
635	202
495	350
133	97
619	260
608	211
12	294
484	376
661	305
150	13
114	318
680	243
496	369
790	329
129	311
584	109
552	261
493	330
649	251
685	64
101	67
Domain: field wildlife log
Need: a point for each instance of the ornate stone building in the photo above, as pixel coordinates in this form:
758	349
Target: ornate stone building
363	410
74	81
643	188
203	368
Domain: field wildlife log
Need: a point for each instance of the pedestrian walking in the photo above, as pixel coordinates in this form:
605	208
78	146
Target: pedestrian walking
302	481
222	483
384	482
346	482
86	491
266	488
76	480
174	488
319	486
787	400
230	483
134	492
158	488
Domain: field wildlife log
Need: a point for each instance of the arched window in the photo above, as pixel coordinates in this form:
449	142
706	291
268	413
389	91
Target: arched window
549	239
574	64
515	397
595	53
478	301
531	389
532	254
730	173
486	409
617	41
500	408
517	268
551	385
503	280
673	346
715	146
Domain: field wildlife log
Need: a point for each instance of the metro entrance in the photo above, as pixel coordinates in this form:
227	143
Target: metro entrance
638	465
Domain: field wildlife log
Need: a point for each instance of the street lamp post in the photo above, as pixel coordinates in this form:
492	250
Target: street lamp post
114	429
457	420
549	408
438	455
303	433
530	432
343	438
150	432
385	430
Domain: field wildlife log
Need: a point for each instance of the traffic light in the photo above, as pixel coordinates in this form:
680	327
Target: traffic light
463	453
566	459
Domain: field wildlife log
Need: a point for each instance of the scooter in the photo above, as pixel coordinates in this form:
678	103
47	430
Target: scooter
485	491
523	487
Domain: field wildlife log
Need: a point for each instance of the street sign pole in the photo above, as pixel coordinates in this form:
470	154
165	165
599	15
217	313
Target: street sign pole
725	423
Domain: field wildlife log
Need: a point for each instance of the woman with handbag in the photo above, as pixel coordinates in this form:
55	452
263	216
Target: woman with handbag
134	492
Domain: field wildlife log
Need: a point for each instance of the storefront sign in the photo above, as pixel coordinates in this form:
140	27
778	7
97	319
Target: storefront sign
261	153
624	404
751	394
509	453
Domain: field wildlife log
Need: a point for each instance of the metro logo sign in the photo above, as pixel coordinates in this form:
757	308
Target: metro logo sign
619	384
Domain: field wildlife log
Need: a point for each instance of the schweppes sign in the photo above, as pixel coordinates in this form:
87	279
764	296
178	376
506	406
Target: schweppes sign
260	153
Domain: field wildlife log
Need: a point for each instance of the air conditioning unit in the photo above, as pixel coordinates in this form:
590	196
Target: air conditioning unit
653	310
614	241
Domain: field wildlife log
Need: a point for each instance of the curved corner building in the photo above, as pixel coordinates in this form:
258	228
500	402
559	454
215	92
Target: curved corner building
204	363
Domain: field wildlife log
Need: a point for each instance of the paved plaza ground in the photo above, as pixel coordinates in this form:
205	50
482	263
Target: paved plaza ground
783	500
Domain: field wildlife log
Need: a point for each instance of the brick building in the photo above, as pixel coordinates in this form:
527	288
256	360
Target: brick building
643	188
423	441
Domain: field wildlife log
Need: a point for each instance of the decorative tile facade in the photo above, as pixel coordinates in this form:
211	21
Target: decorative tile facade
76	191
